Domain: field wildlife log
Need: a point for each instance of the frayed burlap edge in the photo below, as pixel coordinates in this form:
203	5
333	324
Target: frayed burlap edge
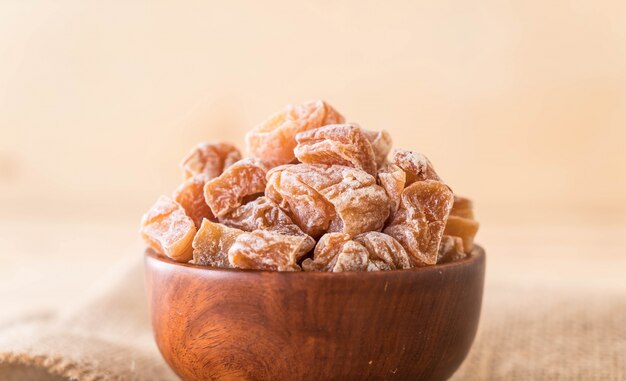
55	366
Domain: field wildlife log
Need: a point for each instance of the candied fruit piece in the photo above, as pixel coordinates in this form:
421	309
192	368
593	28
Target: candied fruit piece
411	236
416	165
360	204
381	144
264	214
450	249
227	191
420	220
341	144
268	250
210	159
377	265
261	213
336	252
385	252
464	228
333	198
307	209
190	195
168	230
462	207
274	139
211	244
392	178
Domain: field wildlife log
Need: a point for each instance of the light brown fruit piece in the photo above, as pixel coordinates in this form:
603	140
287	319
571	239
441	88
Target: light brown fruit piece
360	204
450	249
168	230
464	228
261	213
416	165
336	252
381	144
463	207
420	220
302	203
267	250
385	252
190	195
335	198
264	214
274	139
341	144
392	178
227	191
210	159
211	244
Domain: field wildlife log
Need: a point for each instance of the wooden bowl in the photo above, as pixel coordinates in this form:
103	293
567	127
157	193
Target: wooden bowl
222	324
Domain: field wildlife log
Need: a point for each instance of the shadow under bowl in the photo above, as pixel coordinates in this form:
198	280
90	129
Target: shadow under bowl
224	324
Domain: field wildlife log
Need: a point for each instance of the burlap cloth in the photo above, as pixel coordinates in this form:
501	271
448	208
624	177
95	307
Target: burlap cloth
557	319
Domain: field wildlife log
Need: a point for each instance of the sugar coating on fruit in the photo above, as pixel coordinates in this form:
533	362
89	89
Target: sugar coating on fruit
341	144
274	139
450	249
210	159
420	220
337	252
267	250
190	195
243	179
416	165
168	230
393	179
311	176
333	198
381	144
385	252
264	214
361	205
261	213
212	242
302	203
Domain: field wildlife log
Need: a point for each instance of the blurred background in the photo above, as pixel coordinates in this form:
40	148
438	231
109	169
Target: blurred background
521	105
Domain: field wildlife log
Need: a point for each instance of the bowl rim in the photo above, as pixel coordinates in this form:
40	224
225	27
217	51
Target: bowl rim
474	257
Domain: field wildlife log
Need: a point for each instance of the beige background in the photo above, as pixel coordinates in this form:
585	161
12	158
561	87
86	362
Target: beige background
520	104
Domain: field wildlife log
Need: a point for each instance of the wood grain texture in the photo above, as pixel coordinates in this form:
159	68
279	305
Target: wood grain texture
218	324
